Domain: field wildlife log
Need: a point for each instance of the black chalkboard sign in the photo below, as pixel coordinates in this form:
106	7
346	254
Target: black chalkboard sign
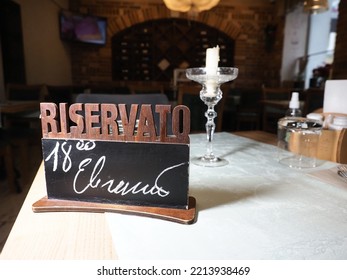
114	157
134	173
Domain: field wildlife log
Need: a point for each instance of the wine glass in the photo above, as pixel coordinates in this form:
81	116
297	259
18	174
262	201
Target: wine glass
210	94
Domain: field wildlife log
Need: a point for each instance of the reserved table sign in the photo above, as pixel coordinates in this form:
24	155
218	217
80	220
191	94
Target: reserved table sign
107	157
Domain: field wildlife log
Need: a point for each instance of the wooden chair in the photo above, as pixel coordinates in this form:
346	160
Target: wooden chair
275	102
230	108
189	95
314	98
21	92
279	93
123	98
18	92
146	88
248	110
6	156
22	139
108	89
22	130
14	143
59	94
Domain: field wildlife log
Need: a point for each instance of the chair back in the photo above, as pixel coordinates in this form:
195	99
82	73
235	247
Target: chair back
21	92
277	93
248	109
271	112
189	95
146	88
313	98
59	94
108	89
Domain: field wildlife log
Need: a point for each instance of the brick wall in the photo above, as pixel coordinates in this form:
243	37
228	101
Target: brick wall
244	23
340	56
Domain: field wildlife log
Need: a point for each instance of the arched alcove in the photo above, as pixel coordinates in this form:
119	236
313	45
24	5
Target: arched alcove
151	50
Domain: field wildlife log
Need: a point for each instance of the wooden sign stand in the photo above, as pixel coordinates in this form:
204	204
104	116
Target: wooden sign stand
110	158
182	216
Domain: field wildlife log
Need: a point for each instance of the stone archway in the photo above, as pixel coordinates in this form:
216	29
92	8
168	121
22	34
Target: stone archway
229	27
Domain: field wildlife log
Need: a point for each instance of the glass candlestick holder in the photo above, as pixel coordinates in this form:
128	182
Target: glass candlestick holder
210	94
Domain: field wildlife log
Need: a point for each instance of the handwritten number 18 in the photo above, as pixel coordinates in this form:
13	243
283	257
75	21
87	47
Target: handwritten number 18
66	165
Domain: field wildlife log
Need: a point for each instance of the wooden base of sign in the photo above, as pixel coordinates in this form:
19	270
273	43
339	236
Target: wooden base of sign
183	216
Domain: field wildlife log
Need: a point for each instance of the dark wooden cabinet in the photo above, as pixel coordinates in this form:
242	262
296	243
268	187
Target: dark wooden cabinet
150	51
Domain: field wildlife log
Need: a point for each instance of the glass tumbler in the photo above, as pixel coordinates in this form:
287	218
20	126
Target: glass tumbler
298	140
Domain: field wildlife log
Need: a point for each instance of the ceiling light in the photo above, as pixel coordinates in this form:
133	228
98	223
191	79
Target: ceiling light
316	6
190	5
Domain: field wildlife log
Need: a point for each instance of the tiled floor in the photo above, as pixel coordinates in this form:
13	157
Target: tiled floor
11	201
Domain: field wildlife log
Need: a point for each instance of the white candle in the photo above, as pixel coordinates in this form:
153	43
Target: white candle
212	58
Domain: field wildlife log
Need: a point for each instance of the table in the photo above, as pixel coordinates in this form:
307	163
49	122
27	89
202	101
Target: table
253	208
258	135
282	104
57	235
275	109
13	107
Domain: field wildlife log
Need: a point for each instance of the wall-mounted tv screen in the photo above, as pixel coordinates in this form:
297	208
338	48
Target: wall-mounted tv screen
82	28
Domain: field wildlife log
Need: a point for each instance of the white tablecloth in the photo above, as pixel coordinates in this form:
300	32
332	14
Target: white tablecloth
253	208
